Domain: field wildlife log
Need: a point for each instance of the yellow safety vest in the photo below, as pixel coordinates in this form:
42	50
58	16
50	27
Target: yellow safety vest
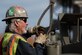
13	47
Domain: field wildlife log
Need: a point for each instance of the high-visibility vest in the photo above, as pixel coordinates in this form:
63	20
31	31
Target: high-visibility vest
11	49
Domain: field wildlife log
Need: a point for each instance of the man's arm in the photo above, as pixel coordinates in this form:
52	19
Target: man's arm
24	48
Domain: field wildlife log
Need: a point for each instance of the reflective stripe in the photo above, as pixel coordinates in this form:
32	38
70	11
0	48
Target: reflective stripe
11	44
15	42
5	42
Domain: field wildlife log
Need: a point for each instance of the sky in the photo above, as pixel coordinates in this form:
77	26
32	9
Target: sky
34	9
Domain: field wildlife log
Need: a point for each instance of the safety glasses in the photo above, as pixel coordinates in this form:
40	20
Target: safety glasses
24	19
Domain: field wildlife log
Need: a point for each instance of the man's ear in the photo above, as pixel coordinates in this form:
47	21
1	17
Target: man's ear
16	23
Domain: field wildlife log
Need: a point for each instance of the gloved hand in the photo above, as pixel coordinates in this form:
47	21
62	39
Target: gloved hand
37	30
41	39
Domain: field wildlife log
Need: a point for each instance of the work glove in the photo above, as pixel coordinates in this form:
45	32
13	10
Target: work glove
37	30
41	38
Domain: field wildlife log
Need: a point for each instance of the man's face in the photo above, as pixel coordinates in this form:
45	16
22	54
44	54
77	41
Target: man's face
22	26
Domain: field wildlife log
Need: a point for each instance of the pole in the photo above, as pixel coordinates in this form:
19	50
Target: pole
51	14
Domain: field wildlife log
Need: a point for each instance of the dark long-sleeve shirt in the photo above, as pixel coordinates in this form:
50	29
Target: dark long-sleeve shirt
24	48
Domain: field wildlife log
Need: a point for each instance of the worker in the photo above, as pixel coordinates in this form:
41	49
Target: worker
13	42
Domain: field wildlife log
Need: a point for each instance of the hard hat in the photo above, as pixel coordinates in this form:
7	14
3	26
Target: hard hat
15	12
